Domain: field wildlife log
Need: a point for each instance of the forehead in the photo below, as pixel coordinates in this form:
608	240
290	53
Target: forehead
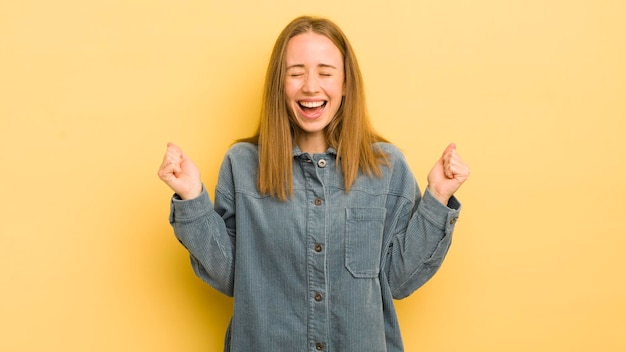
311	48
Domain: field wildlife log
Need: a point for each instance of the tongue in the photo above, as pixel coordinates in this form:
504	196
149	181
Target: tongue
312	112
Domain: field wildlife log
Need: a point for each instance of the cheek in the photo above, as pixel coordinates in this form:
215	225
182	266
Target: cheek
290	90
290	93
339	86
336	88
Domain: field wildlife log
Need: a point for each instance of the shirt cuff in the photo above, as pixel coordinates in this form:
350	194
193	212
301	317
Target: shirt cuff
444	216
190	209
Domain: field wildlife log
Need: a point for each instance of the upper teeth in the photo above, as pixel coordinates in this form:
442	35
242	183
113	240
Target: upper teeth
311	104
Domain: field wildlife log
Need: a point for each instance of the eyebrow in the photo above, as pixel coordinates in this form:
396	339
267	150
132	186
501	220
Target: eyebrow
320	65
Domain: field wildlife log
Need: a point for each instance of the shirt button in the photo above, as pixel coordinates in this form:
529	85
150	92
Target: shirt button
321	163
452	221
319	346
318	201
318	247
318	297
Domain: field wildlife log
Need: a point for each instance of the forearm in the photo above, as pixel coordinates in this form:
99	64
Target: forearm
203	233
421	248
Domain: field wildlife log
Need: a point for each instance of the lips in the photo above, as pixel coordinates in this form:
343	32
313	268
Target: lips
312	109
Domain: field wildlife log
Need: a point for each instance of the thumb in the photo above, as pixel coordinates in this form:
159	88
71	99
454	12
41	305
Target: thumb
447	154
450	148
446	160
175	149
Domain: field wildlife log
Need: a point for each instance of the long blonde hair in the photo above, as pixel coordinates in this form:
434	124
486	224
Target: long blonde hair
349	132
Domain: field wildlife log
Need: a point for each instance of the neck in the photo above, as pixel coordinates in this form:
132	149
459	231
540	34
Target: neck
312	145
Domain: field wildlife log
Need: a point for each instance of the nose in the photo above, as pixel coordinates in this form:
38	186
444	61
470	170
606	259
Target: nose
310	84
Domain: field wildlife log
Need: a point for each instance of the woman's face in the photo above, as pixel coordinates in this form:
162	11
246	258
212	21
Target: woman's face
314	84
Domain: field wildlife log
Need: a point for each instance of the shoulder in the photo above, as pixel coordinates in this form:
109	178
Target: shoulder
242	150
241	157
388	148
400	177
239	168
395	157
242	154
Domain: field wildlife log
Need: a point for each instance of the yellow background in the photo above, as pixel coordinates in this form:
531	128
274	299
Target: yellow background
533	92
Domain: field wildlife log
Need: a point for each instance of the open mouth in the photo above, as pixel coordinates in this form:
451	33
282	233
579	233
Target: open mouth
312	106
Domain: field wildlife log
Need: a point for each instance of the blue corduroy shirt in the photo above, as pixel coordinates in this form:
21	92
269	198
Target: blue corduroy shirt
318	272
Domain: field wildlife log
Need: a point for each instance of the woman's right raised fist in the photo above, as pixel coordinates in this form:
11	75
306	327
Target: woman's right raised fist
180	173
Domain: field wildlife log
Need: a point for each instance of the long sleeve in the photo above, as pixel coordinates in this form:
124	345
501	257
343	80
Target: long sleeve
422	234
202	229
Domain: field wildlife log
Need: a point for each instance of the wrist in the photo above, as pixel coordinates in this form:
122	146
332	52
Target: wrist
194	192
440	197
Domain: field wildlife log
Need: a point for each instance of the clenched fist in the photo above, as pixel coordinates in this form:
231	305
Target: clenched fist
180	173
447	175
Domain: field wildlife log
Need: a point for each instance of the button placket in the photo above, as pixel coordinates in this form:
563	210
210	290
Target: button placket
318	318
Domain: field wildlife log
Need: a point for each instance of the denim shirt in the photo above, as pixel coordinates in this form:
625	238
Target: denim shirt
318	272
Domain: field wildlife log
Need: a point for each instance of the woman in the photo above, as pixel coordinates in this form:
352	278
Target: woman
317	222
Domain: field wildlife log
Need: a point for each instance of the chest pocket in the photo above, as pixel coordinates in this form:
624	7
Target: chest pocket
363	241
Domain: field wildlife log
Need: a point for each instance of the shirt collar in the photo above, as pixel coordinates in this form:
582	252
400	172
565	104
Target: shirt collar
297	152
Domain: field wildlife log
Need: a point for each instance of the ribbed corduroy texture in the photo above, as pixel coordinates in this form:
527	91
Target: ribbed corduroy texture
320	271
